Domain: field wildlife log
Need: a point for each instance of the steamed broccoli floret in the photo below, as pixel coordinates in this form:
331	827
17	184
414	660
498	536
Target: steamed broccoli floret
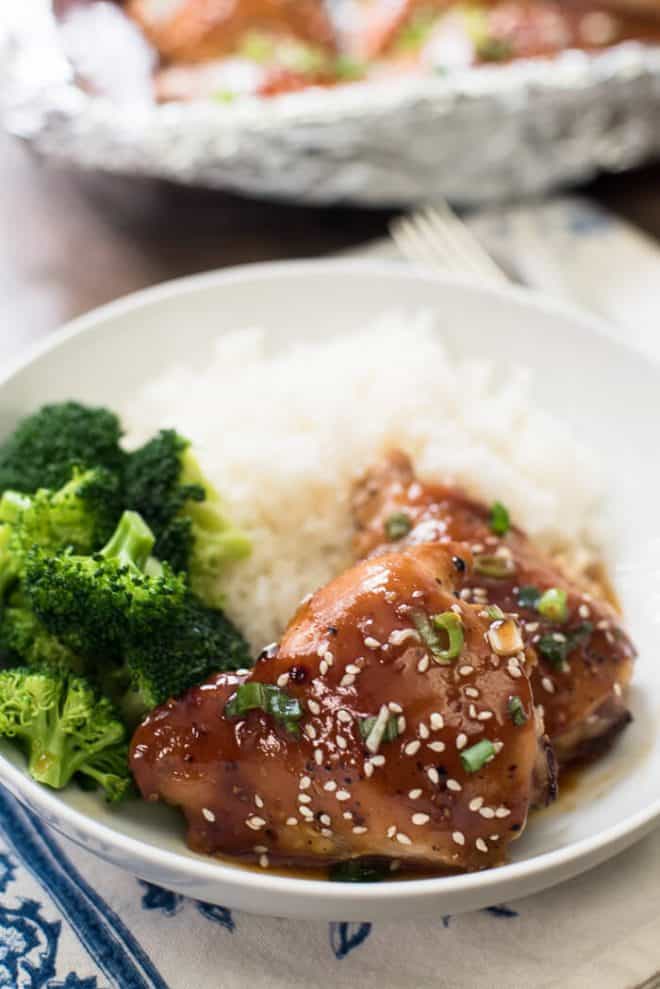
25	639
62	724
183	651
165	484
109	770
45	447
90	602
82	514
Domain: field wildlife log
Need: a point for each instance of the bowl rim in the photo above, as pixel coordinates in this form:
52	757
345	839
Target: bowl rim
576	856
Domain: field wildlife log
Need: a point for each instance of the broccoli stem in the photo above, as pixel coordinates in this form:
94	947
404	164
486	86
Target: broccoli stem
131	543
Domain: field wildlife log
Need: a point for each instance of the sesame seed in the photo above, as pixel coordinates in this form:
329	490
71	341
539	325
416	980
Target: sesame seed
318	757
255	823
358	829
401	724
472	711
498	746
559	637
264	861
410	748
513	669
343	795
456	608
415	794
465	671
323	667
437	721
391	831
423	664
282	680
481	845
401	635
394	707
304	798
502	812
330	786
306	813
465	594
321	650
494	837
208	815
310	730
417	594
454	785
352	669
347	680
368	768
461	741
347	815
325	819
341	742
531	627
371	643
305	783
291	822
471	692
436	746
458	837
617	689
487	812
378	760
258	801
484	715
583	611
433	774
260	849
328	657
476	803
326	832
403	839
420	819
548	685
423	730
344	716
314	707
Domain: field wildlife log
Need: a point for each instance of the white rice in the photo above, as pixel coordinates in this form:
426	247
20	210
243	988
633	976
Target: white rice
283	437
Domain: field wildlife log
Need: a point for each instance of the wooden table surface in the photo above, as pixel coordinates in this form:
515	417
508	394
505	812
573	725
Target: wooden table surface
69	242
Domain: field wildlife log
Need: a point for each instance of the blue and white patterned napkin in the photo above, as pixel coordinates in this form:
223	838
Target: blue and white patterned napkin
69	921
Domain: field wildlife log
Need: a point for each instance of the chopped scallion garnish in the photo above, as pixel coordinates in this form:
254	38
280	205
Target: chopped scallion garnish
495	613
500	523
517	711
553	604
268	698
494	565
528	596
449	623
397	526
357	871
390	731
476	757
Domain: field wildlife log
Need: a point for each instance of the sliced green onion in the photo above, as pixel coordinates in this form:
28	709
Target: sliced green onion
476	757
494	566
553	604
268	698
397	526
528	596
389	734
349	68
495	613
556	651
517	711
448	622
500	523
492	49
357	871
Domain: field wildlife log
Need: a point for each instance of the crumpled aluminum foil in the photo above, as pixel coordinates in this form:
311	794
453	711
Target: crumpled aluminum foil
477	136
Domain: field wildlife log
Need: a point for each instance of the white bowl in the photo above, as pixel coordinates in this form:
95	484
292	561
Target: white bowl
610	397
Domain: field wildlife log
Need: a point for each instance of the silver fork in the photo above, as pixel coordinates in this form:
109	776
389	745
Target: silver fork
436	237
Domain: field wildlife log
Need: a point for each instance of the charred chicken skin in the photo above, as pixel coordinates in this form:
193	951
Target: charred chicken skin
416	737
585	659
197	30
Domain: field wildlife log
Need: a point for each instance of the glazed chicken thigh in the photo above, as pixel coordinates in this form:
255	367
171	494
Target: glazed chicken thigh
400	724
585	659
